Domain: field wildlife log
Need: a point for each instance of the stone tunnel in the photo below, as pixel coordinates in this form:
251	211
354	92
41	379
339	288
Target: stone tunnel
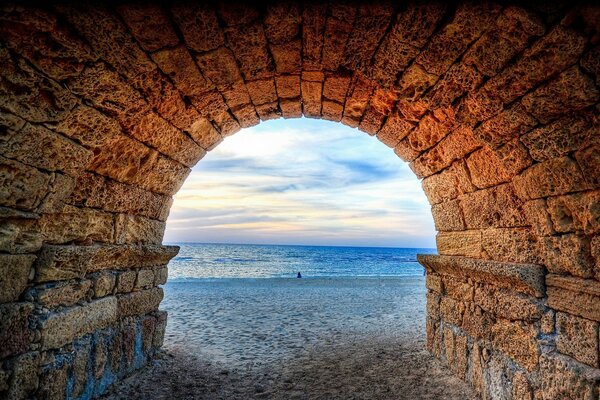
105	108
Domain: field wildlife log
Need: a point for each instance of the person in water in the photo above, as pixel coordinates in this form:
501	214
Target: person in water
299	275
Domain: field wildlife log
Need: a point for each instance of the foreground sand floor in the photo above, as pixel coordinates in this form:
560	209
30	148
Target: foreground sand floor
375	370
287	339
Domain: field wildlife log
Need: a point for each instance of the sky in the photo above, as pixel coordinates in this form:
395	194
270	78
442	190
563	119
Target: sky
302	182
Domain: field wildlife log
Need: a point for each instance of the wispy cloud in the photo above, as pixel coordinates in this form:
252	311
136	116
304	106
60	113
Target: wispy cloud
302	182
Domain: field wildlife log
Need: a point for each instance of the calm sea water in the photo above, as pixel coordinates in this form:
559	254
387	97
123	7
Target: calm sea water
202	261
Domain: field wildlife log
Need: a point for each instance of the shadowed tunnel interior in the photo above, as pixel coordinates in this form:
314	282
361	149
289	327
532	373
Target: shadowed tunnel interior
104	109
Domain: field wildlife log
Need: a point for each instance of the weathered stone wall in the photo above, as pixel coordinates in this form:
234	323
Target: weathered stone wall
104	110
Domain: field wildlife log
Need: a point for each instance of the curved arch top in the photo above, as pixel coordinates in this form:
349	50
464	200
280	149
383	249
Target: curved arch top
495	106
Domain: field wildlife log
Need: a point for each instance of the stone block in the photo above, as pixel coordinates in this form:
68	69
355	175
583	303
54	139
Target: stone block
63	294
550	55
518	245
287	56
145	279
568	254
150	25
538	217
448	184
337	30
133	229
433	306
158	133
104	283
575	296
459	243
139	303
511	34
487	168
588	160
510	123
53	381
262	91
522	278
394	129
550	178
370	25
88	126
453	39
560	137
288	86
478	323
577	337
576	212
66	262
126	281
159	329
24	186
77	224
332	111
514	156
371	121
200	37
15	334
571	91
205	134
25	376
496	207
434	282
430	130
518	341
65	326
565	378
220	67
160	276
336	87
311	98
433	333
458	80
177	63
147	327
313	26
414	81
357	97
83	356
291	108
409	32
508	305
458	289
448	216
452	311
268	111
14	274
249	44
403	150
456	145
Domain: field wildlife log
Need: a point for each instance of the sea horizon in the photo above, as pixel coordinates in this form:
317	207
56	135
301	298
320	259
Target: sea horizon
254	261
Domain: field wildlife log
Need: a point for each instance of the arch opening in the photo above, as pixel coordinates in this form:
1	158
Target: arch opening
495	107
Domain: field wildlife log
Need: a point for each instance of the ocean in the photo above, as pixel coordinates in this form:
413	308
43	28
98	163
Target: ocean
216	261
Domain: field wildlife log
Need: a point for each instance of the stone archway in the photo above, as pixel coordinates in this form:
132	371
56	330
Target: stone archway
104	111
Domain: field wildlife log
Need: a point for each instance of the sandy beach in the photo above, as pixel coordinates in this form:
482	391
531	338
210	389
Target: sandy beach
320	338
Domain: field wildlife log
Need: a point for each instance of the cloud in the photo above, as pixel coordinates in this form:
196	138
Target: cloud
302	182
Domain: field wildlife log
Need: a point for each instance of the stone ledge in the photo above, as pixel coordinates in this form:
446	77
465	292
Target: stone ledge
70	261
524	278
574	295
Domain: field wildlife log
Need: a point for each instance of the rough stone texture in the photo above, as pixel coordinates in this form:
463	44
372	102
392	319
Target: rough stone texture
64	326
103	110
14	274
578	338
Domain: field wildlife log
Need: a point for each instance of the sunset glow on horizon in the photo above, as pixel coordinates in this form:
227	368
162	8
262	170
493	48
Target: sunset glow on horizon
305	182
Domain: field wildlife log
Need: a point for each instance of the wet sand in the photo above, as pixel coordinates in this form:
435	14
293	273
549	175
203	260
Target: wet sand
330	338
